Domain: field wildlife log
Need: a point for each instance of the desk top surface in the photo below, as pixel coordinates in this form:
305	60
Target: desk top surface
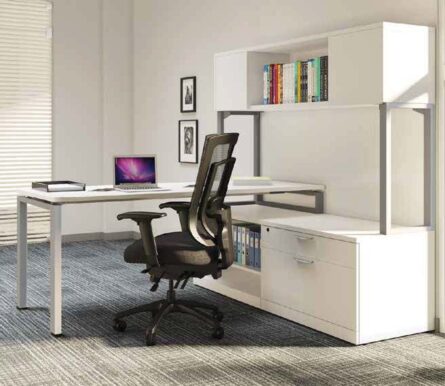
325	225
166	191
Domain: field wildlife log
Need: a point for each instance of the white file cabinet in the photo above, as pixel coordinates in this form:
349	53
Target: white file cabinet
376	288
337	275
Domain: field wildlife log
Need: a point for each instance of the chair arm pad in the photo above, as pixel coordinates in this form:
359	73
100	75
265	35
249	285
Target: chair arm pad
140	216
182	209
178	206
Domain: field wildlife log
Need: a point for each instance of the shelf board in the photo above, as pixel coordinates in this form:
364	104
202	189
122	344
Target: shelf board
246	268
329	106
306	106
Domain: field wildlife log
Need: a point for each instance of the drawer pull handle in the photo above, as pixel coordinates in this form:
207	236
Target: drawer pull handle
304	238
303	261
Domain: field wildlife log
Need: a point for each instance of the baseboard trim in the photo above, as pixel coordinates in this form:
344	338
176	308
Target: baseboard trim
100	236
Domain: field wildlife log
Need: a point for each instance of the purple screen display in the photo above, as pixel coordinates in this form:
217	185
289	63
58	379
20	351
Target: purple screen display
134	169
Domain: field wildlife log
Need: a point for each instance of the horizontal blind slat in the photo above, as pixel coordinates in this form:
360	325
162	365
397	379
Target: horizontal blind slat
25	110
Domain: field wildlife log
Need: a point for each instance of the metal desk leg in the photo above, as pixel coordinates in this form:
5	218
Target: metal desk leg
55	275
22	252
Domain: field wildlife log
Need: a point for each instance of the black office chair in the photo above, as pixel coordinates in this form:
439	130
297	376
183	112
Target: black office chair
203	247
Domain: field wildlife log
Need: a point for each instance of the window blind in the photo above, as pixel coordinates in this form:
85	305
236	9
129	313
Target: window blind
25	110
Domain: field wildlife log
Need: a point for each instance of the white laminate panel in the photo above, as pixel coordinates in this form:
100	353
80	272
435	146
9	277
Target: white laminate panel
322	290
230	79
356	67
413	44
396	279
311	321
240	283
307	246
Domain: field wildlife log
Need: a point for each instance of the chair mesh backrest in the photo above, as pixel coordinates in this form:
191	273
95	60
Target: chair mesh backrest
211	184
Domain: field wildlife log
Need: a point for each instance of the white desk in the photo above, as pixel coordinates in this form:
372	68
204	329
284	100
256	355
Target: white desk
54	202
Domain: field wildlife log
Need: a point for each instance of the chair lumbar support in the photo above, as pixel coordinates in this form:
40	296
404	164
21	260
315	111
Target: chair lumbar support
159	309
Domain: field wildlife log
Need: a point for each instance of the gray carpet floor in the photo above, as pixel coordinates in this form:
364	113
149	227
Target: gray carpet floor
258	349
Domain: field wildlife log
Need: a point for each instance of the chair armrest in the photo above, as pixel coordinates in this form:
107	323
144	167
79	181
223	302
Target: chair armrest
176	205
144	220
182	208
140	216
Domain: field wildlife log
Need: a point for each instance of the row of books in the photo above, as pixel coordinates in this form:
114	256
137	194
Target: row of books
247	242
297	82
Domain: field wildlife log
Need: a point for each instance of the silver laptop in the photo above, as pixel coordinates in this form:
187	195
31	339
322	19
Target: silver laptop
135	173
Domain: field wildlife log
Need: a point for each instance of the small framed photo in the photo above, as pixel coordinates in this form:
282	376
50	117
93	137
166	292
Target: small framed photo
188	141
188	94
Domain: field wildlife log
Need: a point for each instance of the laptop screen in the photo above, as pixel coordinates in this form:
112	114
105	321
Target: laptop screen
129	170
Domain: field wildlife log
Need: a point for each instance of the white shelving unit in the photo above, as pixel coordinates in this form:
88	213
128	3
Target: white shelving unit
368	65
383	66
358	280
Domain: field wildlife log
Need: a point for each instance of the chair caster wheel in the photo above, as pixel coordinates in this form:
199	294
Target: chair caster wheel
120	325
150	339
218	315
218	333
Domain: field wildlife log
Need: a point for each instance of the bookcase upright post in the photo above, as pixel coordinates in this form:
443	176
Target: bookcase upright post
427	110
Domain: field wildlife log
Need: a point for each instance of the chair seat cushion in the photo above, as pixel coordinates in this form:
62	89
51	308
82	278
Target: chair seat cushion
175	248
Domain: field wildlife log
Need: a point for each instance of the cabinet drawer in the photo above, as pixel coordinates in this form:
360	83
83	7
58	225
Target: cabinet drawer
320	289
310	247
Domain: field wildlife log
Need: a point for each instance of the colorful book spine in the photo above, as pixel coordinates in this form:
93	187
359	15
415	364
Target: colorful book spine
310	80
298	81
316	96
304	81
270	84
274	84
285	81
324	78
277	83
291	84
265	84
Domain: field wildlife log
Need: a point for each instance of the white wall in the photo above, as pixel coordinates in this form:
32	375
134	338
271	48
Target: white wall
179	38
92	93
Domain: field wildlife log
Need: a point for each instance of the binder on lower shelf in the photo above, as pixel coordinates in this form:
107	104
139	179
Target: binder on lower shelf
257	250
246	241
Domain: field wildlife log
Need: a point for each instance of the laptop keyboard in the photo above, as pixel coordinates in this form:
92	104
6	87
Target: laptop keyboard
137	186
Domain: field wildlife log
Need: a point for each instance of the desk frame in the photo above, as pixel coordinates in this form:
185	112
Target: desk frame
259	198
385	109
55	259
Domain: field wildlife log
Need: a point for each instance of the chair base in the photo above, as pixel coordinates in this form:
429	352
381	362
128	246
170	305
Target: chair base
161	308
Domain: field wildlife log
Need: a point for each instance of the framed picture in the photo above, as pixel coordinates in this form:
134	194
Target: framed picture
188	94
188	141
